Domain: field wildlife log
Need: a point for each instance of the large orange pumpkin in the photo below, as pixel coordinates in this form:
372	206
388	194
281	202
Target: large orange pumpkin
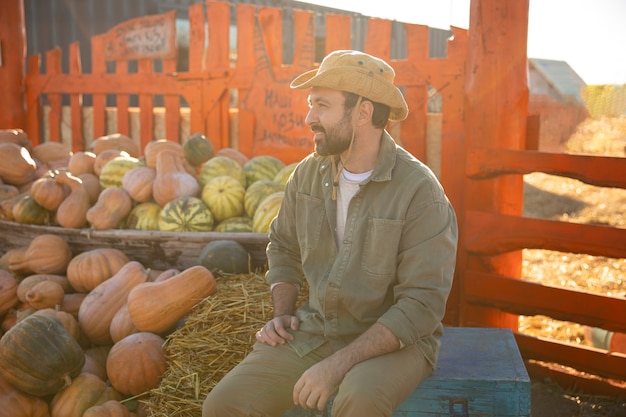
136	363
8	292
86	391
19	404
46	254
88	269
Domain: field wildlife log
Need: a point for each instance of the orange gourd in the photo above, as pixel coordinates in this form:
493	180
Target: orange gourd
48	193
115	141
86	391
98	308
90	268
172	180
105	156
46	254
81	162
138	183
122	325
68	321
27	283
110	408
112	207
136	363
19	404
72	212
46	294
52	152
96	361
157	306
91	182
154	148
18	166
8	292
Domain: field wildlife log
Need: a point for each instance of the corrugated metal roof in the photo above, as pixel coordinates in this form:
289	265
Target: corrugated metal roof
560	76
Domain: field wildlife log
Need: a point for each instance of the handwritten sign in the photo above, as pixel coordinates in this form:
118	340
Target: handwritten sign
144	37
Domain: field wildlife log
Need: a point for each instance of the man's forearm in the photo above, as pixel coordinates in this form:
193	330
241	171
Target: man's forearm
284	297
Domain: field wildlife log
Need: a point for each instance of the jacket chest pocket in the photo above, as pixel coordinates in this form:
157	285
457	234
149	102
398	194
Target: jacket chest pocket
380	249
311	215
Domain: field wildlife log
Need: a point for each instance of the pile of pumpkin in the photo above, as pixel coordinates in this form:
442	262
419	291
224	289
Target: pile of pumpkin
83	335
166	186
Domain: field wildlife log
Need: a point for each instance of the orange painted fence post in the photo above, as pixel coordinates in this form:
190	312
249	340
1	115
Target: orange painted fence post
496	103
12	64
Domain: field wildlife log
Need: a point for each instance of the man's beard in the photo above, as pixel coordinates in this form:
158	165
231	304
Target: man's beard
335	140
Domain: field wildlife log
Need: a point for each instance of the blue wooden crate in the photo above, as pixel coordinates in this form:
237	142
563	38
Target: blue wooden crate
480	373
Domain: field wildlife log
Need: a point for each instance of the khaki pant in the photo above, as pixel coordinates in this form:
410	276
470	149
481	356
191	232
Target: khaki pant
262	384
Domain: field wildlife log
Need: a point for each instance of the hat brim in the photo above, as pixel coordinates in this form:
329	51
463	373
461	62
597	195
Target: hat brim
356	81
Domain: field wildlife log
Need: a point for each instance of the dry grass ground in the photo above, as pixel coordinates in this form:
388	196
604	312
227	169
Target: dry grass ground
564	199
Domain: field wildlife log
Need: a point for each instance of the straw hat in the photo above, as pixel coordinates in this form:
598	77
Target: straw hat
359	73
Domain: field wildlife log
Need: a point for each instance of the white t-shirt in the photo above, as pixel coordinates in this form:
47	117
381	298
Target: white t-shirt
348	187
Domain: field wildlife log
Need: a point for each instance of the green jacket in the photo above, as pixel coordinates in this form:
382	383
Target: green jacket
395	265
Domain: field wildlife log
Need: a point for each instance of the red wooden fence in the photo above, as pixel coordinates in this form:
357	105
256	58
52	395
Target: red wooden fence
481	163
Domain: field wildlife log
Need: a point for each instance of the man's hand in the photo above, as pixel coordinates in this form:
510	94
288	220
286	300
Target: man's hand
275	331
317	384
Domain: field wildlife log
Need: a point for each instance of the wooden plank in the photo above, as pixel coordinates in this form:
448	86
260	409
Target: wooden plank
271	25
582	358
595	170
33	105
218	58
76	101
146	107
338	27
171	103
53	66
378	38
122	100
244	74
196	38
529	298
98	66
491	234
12	64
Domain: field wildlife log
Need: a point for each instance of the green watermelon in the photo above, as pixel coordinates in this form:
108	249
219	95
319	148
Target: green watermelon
266	212
262	167
144	216
113	171
239	224
221	165
284	174
198	149
224	196
186	214
225	257
257	192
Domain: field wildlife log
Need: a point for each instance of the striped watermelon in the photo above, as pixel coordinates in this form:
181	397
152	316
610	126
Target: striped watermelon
262	167
221	165
112	172
239	224
144	216
283	175
186	214
257	192
224	196
267	210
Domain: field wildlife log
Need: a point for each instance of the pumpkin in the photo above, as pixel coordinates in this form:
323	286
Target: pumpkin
91	182
224	196
16	136
88	269
257	192
96	361
117	142
39	357
45	294
284	174
138	183
262	167
221	165
113	171
198	149
8	191
81	162
72	212
18	166
48	193
110	408
27	211
155	147
112	207
122	325
172	180
46	254
71	303
144	216
267	210
68	321
186	214
9	320
234	154
98	308
8	292
136	363
27	283
52	152
86	391
157	306
225	257
239	224
19	404
105	156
